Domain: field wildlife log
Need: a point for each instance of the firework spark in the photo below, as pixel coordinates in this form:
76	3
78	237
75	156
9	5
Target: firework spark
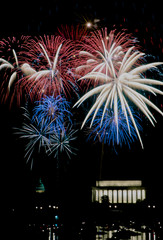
17	74
72	33
12	69
7	65
54	109
25	68
8	44
51	58
35	133
61	141
122	85
107	132
41	131
102	52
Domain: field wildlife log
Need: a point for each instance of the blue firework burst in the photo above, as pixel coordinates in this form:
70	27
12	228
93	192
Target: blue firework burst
47	133
107	131
56	109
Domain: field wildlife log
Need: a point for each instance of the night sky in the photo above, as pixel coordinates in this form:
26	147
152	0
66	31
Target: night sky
141	18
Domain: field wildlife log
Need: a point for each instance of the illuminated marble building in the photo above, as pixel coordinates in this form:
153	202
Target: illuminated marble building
119	192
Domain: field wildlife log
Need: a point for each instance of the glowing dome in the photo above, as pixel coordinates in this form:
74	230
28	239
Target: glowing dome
40	188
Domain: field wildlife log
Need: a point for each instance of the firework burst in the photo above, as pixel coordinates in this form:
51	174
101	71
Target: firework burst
46	129
122	85
11	76
8	44
72	33
61	141
51	58
36	134
107	132
7	65
13	69
102	52
54	109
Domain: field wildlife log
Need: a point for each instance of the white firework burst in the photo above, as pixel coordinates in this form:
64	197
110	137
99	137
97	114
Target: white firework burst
52	65
7	65
61	141
36	135
104	51
25	68
122	85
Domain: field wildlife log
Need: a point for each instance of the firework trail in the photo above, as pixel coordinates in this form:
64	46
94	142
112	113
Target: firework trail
72	33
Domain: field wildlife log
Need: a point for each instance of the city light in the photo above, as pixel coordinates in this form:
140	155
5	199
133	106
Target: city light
89	24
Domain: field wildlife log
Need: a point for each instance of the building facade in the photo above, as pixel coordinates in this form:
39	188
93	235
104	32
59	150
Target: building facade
119	192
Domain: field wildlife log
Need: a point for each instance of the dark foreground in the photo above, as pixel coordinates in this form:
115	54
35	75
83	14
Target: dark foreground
140	221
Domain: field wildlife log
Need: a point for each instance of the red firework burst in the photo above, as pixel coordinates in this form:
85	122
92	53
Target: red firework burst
10	68
8	44
103	51
50	59
72	33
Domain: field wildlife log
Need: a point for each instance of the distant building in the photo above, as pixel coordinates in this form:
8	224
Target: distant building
126	191
40	187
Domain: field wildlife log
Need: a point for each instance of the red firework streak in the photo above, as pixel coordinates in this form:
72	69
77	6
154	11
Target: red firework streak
49	58
75	34
101	51
72	33
10	68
